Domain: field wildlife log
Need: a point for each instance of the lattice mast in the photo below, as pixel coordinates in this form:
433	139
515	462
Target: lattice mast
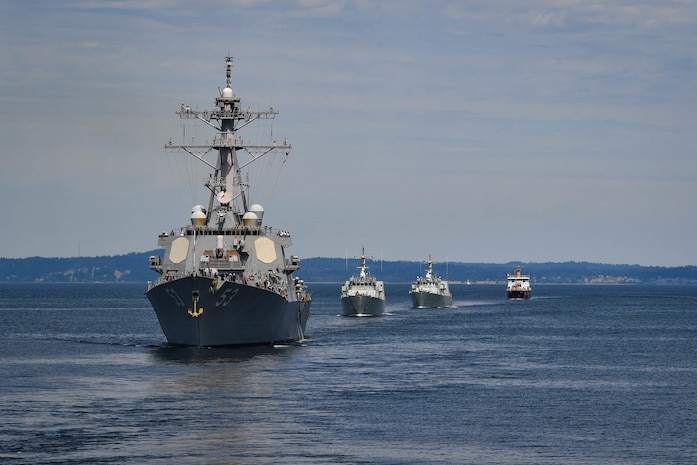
226	183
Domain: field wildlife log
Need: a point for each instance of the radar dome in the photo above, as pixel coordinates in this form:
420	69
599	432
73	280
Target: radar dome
227	93
198	208
250	219
258	210
198	218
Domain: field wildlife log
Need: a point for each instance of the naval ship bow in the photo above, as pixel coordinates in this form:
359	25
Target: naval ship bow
363	295
431	291
225	278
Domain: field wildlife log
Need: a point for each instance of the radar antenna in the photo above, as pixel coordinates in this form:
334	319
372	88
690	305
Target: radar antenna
228	63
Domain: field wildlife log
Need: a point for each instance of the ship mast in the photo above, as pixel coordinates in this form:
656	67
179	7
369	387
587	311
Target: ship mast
226	183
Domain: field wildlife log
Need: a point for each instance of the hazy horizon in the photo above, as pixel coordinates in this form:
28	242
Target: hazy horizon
376	260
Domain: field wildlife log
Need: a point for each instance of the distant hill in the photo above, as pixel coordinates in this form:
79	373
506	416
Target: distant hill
134	267
335	270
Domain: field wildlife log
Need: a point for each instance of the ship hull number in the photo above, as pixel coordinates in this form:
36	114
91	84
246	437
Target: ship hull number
226	297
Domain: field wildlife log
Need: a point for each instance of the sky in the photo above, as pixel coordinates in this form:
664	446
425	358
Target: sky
473	131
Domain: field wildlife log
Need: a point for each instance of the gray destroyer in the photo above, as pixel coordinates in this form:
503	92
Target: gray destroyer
225	278
430	291
363	295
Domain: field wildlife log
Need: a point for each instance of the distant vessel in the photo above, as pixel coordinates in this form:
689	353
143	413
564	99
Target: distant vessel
430	291
363	295
225	279
518	285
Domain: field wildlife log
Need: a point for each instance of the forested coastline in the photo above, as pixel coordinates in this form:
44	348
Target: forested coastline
133	267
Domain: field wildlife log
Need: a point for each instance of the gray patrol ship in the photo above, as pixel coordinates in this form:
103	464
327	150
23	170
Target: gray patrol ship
225	278
430	291
363	295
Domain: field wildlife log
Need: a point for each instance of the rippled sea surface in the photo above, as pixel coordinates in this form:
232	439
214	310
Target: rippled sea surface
577	375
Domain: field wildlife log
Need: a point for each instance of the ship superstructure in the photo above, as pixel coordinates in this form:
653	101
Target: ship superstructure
363	294
430	291
518	287
225	278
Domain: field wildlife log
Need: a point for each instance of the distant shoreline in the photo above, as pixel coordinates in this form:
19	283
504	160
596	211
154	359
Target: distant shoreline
134	267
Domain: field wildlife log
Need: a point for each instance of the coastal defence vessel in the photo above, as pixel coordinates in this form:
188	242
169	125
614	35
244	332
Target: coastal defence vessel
225	278
430	291
518	287
363	295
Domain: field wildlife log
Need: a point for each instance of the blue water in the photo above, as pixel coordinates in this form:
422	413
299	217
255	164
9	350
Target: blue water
577	375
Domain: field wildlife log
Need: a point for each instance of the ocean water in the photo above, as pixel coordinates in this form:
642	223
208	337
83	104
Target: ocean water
577	375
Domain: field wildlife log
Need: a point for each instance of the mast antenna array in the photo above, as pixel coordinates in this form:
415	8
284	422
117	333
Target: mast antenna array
228	63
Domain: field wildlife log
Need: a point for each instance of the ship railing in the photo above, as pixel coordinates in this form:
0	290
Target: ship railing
292	264
221	264
214	181
270	282
227	142
243	230
240	230
237	143
167	276
246	114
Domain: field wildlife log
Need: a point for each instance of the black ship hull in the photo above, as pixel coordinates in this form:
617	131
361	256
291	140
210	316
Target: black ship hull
430	300
519	295
192	311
